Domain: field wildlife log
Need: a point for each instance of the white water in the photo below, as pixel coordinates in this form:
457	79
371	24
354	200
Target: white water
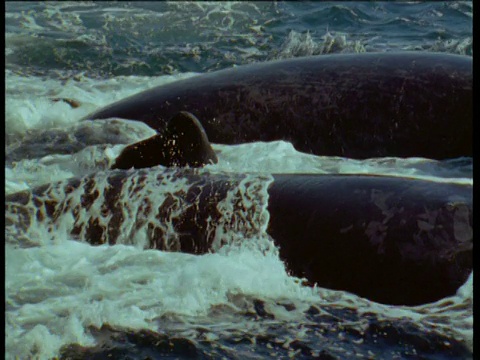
56	291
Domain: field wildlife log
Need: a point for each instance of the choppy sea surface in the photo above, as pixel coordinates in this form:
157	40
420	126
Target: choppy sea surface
67	299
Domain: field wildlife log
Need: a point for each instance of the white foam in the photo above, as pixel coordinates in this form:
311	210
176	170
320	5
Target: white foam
281	157
28	102
76	285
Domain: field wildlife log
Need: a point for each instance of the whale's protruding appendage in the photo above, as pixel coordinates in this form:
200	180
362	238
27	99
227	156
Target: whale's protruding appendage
184	143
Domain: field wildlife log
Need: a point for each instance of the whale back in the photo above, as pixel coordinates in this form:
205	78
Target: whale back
409	104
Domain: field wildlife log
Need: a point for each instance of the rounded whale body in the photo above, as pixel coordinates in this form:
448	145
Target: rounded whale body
392	240
409	104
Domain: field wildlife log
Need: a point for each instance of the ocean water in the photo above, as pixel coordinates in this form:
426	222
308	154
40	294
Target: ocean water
68	299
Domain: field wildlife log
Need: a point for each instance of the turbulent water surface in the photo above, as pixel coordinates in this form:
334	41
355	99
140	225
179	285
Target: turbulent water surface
68	299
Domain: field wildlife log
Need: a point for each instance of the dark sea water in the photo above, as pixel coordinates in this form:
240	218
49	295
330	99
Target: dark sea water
67	299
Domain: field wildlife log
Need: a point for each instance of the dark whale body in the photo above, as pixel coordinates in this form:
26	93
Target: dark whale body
409	104
183	143
392	240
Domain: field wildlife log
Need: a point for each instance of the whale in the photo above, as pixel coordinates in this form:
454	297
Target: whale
389	239
184	143
399	104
